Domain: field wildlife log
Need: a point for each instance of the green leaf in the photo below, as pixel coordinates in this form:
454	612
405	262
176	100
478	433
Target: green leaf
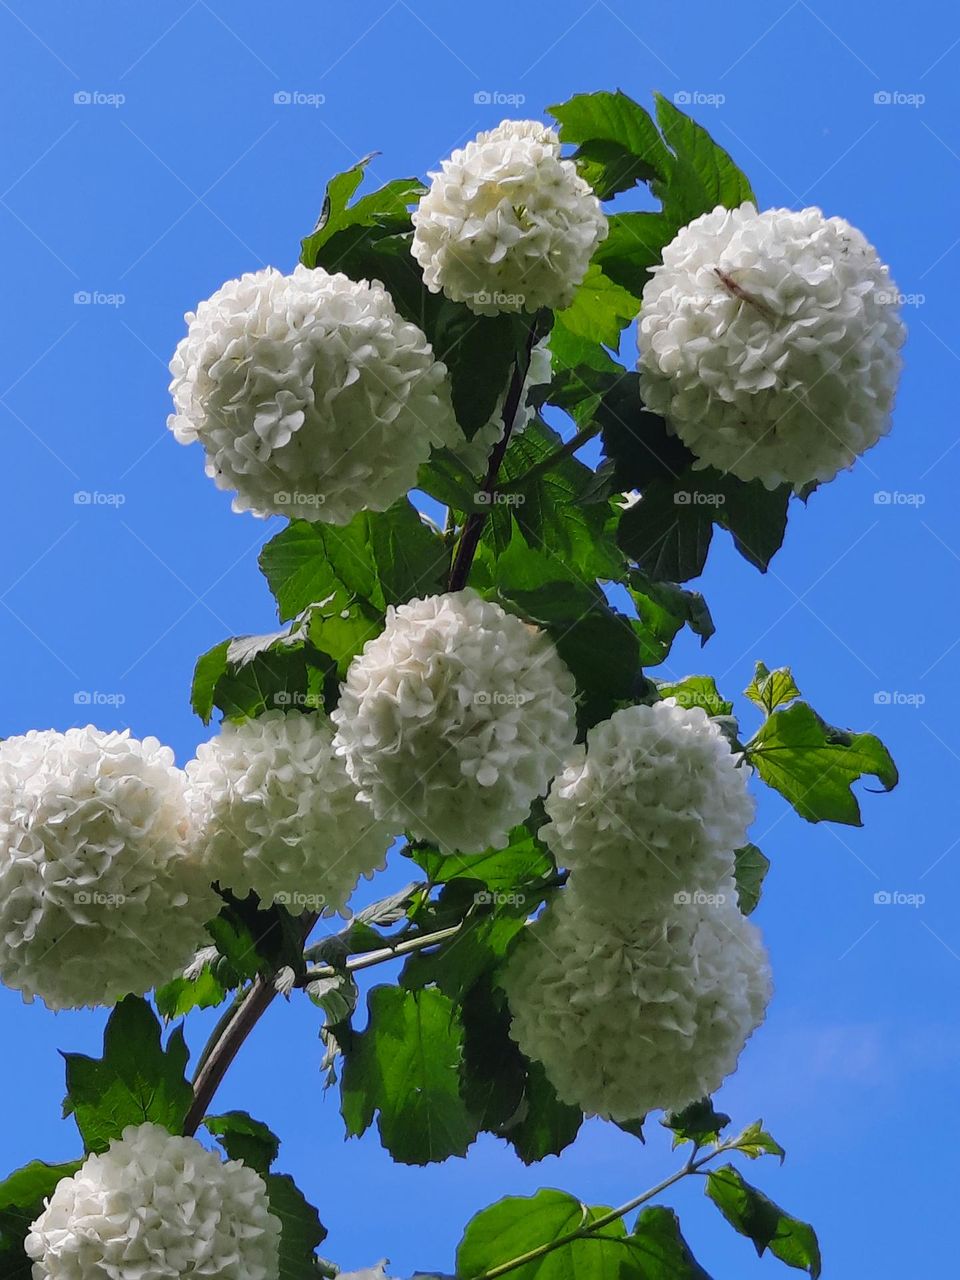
546	1126
515	1225
619	143
697	691
406	1066
479	353
756	517
554	511
136	1080
180	996
635	243
637	441
771	689
523	860
755	1142
302	1231
244	1138
482	943
663	608
702	175
667	534
410	560
698	1123
22	1198
494	1071
380	213
257	940
813	764
210	667
751	869
600	309
308	562
751	1214
662	1250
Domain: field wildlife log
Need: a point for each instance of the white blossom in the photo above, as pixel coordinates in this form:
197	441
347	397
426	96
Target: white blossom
156	1207
312	397
770	343
633	1017
454	719
654	805
276	812
99	894
507	224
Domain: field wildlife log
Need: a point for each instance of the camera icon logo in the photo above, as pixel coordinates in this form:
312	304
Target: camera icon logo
682	98
82	899
682	898
282	98
83	98
483	98
682	498
883	98
882	898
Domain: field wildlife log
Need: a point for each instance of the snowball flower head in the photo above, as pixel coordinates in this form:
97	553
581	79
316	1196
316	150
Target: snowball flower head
653	806
454	719
99	896
770	343
638	1017
507	224
312	397
156	1207
276	812
475	452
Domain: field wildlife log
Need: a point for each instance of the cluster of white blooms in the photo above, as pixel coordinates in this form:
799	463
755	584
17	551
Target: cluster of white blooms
508	224
653	806
475	452
99	894
311	395
157	1207
454	719
633	1017
638	988
770	342
275	811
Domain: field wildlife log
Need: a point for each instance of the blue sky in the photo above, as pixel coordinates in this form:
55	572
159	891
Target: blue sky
177	169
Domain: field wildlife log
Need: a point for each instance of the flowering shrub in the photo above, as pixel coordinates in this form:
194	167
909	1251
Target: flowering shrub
475	675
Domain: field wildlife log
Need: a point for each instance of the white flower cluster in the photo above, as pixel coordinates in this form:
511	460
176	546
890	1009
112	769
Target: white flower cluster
654	805
275	811
312	397
633	1019
508	224
99	895
638	988
454	719
475	452
770	342
157	1207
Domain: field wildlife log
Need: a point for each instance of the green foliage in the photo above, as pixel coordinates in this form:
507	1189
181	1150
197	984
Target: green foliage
751	869
771	689
302	1230
697	691
22	1198
136	1080
698	1123
813	764
244	1138
256	940
619	144
751	1214
663	1252
406	1067
663	609
383	212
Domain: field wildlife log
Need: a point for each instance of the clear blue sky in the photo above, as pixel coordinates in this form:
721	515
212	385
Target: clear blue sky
198	175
